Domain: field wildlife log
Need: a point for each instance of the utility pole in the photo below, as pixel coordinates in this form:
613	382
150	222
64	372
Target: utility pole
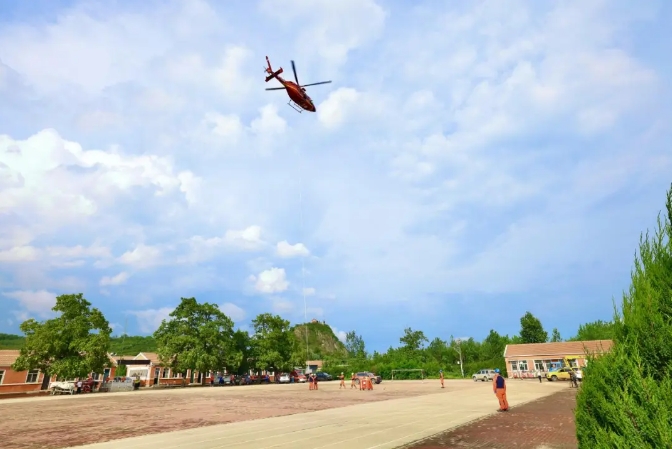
459	352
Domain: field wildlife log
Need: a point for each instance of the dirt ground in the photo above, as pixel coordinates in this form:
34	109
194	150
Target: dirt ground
546	423
64	421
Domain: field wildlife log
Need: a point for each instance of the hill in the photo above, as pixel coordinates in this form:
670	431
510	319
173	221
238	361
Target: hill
322	342
128	345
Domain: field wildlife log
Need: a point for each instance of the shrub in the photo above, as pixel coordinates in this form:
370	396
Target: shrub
626	394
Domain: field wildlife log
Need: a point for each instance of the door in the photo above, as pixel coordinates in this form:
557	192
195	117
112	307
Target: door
45	383
157	372
106	375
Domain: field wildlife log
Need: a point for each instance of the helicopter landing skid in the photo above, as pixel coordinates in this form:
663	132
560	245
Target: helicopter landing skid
295	106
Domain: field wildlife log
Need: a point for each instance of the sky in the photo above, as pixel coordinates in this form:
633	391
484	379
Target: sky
468	163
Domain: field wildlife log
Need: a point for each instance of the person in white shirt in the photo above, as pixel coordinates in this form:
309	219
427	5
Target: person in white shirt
79	386
537	374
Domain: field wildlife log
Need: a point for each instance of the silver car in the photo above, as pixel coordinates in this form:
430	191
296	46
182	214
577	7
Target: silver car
284	378
484	375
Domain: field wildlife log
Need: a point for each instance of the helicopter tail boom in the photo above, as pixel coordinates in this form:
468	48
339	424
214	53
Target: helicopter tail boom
270	71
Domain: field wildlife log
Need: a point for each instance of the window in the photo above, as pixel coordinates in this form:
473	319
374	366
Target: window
32	376
176	375
95	376
522	365
539	365
2	376
574	363
166	373
514	365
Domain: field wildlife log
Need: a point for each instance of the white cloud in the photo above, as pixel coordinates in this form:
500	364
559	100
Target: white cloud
341	335
284	249
309	291
37	303
233	311
142	256
271	281
149	320
249	238
118	279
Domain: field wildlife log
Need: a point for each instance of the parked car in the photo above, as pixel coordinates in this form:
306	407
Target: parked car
323	376
284	378
298	376
484	375
375	378
559	374
225	379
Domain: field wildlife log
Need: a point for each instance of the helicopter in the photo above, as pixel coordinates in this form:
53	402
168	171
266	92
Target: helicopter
299	99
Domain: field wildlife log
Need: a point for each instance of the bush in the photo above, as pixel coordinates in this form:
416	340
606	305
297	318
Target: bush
619	406
626	394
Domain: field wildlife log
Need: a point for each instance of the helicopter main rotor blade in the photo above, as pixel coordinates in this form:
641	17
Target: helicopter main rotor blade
296	78
316	84
275	88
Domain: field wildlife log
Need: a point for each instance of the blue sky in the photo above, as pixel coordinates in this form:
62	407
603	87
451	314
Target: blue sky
467	164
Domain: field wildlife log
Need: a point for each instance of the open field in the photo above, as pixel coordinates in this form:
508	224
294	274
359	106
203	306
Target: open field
394	412
546	423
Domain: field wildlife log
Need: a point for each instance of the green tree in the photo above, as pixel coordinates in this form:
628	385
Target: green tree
596	330
555	335
197	337
74	344
632	408
243	345
413	340
493	345
120	371
274	345
355	346
531	330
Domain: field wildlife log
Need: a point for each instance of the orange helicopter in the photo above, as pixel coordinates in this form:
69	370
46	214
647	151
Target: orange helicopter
296	91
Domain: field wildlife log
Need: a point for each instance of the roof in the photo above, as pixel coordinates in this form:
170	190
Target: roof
563	348
8	357
151	356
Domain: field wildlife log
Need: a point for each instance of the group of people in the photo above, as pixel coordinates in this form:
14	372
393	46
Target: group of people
312	381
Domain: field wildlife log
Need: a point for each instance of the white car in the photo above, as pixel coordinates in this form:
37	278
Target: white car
284	378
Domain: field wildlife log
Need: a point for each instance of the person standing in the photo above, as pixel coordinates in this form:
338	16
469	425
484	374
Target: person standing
79	386
315	380
441	377
538	374
499	388
342	378
352	381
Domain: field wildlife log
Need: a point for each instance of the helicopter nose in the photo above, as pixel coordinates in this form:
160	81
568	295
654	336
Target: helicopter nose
311	107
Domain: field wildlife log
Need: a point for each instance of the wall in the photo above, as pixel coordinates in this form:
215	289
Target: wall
531	368
15	381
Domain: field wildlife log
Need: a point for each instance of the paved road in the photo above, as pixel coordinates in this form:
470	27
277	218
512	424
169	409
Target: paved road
380	425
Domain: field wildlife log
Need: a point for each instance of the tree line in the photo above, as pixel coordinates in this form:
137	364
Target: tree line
196	336
200	337
453	356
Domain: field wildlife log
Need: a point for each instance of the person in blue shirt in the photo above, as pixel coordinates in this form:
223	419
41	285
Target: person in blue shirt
499	388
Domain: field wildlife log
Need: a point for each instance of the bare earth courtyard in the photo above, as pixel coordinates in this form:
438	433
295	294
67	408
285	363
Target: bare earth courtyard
264	416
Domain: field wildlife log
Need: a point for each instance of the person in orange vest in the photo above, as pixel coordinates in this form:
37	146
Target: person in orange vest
352	381
499	388
315	381
311	385
441	377
342	385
